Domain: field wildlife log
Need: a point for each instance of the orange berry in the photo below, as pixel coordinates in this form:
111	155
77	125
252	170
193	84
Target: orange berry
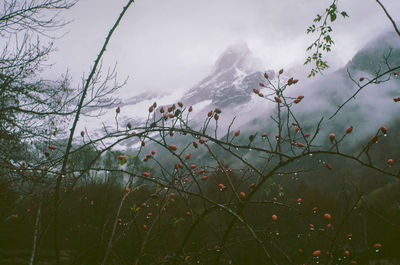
316	253
327	216
173	147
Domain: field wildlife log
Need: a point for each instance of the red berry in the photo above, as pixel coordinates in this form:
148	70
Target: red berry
316	253
278	99
172	194
209	114
274	217
377	245
332	136
349	129
299	200
127	189
216	116
195	144
383	129
143	143
190	109
237	133
187	156
162	110
222	186
146	174
390	161
121	157
180	104
201	140
192	166
151	108
218	110
327	216
266	75
256	91
173	147
361	79
52	147
201	171
242	195
153	152
82	133
204	178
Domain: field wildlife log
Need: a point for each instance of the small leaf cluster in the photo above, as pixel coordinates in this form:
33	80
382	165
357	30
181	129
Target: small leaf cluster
324	41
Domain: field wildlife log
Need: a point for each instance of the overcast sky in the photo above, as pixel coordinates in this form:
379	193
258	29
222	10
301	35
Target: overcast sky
169	45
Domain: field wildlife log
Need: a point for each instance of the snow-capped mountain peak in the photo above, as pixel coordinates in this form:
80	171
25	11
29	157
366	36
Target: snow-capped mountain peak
236	72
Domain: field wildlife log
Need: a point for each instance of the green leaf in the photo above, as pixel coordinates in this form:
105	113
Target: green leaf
344	14
122	161
333	16
178	220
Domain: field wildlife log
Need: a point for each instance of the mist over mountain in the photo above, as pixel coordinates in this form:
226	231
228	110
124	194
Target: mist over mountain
229	86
